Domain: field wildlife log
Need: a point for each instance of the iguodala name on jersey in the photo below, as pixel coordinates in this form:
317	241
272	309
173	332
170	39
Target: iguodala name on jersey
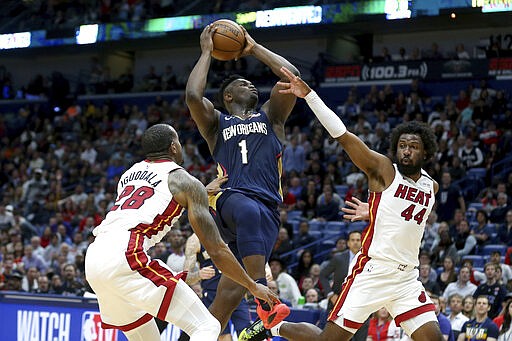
141	175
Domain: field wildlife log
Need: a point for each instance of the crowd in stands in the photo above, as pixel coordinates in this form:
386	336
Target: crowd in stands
59	172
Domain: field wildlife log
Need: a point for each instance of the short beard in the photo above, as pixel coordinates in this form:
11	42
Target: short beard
409	170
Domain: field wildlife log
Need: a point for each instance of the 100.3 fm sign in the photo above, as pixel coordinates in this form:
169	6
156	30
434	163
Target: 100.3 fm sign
429	70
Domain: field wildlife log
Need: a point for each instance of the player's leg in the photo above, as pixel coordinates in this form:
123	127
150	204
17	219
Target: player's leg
297	331
430	331
240	216
188	313
228	296
147	332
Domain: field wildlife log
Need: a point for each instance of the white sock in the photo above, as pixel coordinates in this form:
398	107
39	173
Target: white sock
275	329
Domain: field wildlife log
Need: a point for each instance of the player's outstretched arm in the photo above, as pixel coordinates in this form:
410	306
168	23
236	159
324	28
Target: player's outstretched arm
201	109
191	194
375	165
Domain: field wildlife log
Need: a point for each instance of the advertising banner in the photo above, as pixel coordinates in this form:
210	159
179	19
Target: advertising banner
427	70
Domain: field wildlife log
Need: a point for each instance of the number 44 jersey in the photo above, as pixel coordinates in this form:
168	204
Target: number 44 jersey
250	154
144	203
397	219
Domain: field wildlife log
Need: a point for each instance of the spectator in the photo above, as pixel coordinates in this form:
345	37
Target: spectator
494	291
379	325
424	278
465	242
462	286
500	319
35	189
283	221
448	199
430	233
498	213
340	265
272	285
176	259
505	229
505	331
481	324
43	285
303	237
304	265
482	231
29	282
461	53
470	155
294	156
468	306
312	299
443	247
328	208
448	274
288	288
283	244
31	260
444	323
71	284
456	317
495	257
6	217
13	281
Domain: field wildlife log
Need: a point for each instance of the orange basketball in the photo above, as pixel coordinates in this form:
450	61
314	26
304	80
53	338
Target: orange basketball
228	40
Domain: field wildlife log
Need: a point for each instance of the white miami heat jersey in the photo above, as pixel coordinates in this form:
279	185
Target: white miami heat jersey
397	219
144	202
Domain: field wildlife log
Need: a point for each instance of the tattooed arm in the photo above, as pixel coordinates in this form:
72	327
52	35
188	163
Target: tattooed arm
191	194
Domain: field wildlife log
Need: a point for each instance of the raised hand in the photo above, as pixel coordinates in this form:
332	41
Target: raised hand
296	86
206	40
357	211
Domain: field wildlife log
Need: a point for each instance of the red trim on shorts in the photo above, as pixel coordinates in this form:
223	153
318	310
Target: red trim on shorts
358	268
414	312
127	327
352	324
369	231
166	302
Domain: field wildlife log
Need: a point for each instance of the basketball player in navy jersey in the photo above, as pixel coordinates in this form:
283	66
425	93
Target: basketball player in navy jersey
246	145
384	274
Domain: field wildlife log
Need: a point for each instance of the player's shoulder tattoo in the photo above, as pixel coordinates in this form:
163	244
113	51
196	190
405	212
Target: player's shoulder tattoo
181	181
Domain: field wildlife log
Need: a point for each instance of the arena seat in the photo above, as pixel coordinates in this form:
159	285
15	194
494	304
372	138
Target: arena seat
487	249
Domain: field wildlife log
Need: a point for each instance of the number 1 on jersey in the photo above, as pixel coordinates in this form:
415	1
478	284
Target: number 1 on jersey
243	150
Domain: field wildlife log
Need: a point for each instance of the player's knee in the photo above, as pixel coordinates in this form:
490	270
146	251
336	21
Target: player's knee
210	327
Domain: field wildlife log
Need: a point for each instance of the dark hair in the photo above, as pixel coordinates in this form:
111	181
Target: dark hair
352	232
506	319
225	83
417	128
157	139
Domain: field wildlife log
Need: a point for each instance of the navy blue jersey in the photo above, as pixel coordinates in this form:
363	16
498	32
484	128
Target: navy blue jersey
249	152
476	331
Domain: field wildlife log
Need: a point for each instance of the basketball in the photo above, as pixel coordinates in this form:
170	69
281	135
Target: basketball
228	40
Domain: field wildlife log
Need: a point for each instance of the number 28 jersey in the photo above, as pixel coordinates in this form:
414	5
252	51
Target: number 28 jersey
250	154
397	219
144	202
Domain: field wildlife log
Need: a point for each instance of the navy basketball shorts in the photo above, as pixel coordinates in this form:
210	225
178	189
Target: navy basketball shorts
249	226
